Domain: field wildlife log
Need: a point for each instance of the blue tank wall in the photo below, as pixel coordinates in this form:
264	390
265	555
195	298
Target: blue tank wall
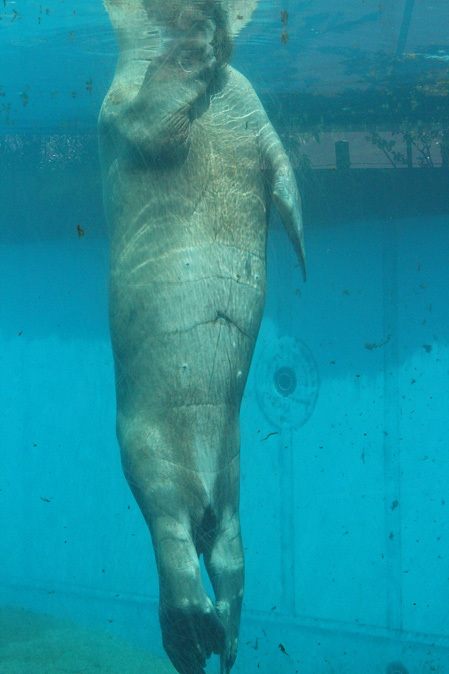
345	471
344	478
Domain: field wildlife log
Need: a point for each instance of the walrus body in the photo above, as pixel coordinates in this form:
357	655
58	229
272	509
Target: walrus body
190	163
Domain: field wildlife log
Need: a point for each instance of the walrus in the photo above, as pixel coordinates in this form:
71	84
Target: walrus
190	166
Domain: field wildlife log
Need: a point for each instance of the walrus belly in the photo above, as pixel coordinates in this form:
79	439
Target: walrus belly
188	277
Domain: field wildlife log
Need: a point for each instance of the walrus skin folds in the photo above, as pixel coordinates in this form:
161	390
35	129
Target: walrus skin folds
190	164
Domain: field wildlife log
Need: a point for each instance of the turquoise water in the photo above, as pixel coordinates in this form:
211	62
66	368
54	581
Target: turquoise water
344	420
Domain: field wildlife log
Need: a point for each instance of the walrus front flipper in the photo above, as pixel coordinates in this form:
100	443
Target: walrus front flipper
288	203
284	190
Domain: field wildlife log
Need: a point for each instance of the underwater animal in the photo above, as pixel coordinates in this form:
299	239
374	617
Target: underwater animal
190	165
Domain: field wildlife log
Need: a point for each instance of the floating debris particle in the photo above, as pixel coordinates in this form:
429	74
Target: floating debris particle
376	345
25	98
269	435
282	649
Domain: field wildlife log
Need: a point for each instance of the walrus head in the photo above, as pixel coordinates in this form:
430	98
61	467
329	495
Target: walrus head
130	20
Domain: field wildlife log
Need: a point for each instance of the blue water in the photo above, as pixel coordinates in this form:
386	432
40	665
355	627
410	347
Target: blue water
344	491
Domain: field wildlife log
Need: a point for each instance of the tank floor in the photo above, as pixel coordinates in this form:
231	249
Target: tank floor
39	644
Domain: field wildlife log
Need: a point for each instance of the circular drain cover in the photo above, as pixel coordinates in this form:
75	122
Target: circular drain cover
287	382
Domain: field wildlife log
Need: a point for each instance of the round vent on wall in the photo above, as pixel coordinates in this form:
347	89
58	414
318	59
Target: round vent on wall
287	382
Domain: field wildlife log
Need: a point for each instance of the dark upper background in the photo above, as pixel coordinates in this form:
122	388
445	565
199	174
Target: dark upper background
342	64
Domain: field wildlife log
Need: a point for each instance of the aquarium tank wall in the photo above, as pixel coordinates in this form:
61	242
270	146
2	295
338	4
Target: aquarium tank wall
344	424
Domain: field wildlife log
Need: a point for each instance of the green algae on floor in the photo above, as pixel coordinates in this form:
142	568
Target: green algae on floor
33	643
